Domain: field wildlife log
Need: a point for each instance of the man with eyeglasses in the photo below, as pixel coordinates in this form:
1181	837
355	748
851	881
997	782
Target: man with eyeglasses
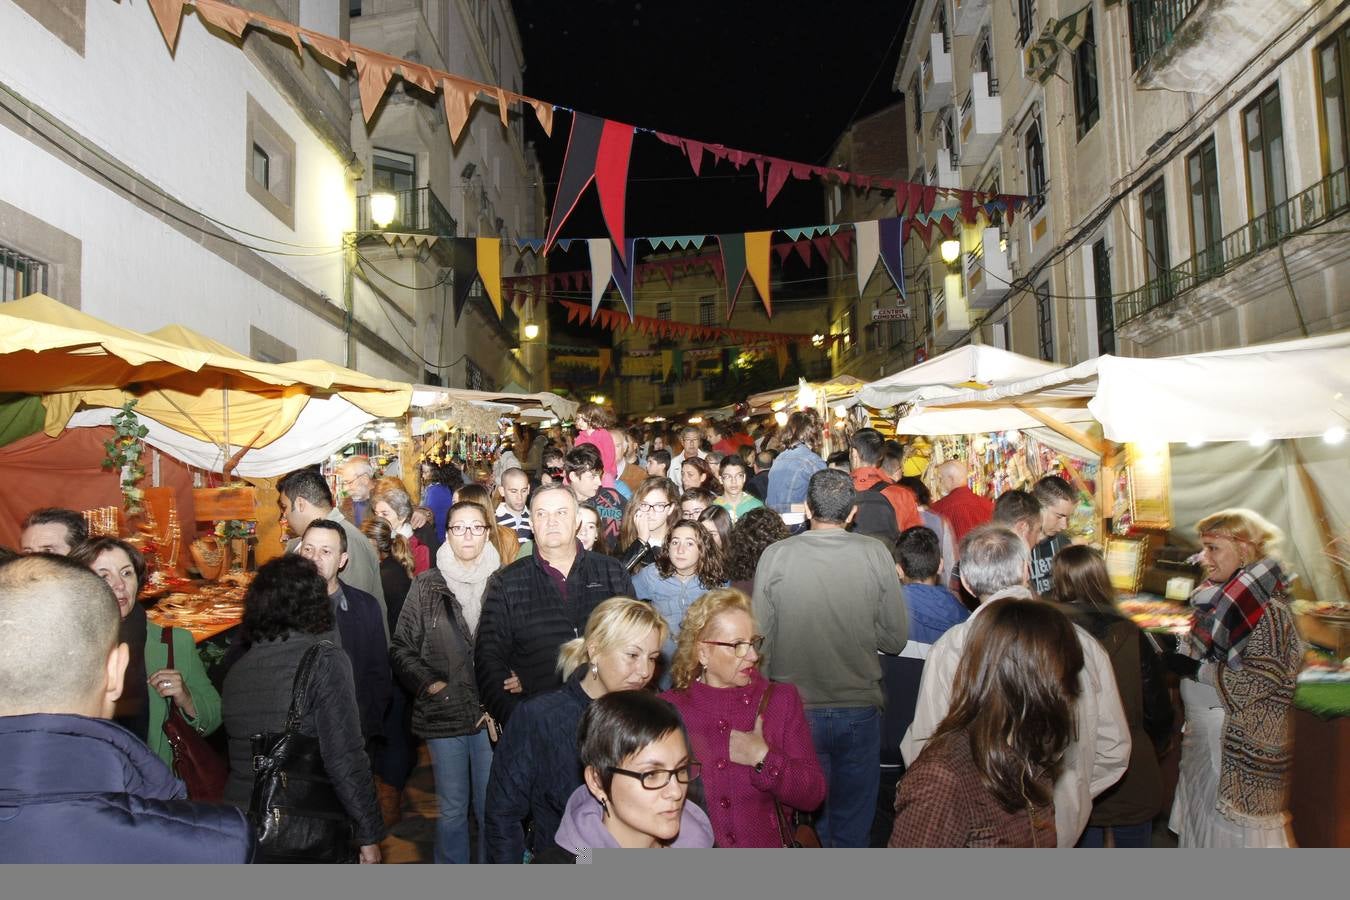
691	439
827	600
357	476
538	603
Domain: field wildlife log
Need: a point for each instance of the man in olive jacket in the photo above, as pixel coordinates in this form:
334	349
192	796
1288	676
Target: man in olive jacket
536	604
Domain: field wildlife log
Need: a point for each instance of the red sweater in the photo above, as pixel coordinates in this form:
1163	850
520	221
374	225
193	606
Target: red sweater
740	800
900	497
965	509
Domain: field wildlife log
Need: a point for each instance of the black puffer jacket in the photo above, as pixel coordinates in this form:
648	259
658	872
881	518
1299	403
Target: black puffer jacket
432	643
525	621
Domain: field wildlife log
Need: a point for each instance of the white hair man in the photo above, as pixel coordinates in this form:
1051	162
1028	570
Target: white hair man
996	563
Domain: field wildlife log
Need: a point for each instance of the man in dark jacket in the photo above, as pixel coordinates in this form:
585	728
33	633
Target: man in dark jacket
757	485
359	621
536	604
74	787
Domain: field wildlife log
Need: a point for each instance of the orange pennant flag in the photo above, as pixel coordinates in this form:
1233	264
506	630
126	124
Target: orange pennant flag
373	73
544	113
338	51
278	26
606	360
458	101
169	17
502	108
420	76
227	18
757	247
782	359
490	270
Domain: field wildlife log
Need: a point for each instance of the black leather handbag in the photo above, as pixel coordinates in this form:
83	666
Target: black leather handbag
296	814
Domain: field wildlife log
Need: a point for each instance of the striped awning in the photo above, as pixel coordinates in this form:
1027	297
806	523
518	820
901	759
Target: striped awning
1064	34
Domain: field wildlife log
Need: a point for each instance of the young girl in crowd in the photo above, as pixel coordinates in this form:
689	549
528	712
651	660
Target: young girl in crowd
690	566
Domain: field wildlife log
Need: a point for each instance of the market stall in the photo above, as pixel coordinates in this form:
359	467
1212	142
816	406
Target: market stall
1185	436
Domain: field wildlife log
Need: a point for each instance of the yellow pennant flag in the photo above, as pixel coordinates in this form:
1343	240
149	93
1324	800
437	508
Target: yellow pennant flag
606	360
757	248
782	359
667	363
490	270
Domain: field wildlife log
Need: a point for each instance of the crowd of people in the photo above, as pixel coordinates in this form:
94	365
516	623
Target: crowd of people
638	639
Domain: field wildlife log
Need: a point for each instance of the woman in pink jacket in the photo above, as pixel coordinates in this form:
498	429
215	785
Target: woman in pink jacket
754	753
593	422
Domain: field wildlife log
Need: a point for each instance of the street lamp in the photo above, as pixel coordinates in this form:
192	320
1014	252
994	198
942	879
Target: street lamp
383	208
951	251
531	331
817	339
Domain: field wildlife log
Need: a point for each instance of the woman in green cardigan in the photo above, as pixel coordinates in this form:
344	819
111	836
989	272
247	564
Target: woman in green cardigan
186	685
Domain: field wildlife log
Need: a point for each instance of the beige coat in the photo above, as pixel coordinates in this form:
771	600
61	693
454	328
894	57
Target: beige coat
1093	762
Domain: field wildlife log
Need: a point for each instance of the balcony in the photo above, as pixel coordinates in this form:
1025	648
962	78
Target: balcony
947	172
1322	202
981	119
970	16
418	211
1198	45
936	74
987	271
951	316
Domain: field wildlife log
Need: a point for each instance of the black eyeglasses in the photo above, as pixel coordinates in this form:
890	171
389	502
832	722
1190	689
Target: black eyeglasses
659	778
742	648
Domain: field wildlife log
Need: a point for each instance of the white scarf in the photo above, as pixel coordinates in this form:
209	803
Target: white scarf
467	580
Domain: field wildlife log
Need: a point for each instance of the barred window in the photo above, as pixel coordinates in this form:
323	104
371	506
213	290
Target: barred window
20	274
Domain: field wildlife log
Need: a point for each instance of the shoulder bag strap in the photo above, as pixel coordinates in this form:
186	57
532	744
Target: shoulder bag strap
784	826
300	687
166	635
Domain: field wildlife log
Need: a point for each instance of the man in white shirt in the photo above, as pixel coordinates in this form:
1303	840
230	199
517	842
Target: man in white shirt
996	563
691	439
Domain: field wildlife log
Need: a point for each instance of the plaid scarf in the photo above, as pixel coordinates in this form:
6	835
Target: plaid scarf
1226	614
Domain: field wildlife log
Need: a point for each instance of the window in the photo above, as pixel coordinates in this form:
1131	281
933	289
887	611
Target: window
949	132
1332	58
1263	136
1001	334
1045	322
1202	180
984	59
20	275
261	166
1026	16
1085	101
942	27
663	310
269	167
707	311
916	99
1101	284
393	171
1157	261
1033	145
665	393
353	8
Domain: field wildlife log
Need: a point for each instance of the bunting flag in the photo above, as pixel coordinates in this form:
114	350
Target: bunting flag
733	263
490	270
374	71
602	267
667	363
611	181
868	241
606	361
169	17
578	171
782	352
623	274
665	328
464	266
757	261
458	103
891	236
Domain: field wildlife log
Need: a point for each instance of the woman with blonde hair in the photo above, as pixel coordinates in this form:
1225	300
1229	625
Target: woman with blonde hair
536	767
1241	661
751	734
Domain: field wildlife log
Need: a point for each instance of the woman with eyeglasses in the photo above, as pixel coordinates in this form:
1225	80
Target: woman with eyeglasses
752	735
647	520
734	499
535	769
432	652
637	767
690	566
501	538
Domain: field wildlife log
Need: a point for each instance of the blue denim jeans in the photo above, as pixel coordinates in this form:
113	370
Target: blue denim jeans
460	765
1140	835
848	744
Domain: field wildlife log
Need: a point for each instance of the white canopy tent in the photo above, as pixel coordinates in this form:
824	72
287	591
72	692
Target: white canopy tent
975	366
505	402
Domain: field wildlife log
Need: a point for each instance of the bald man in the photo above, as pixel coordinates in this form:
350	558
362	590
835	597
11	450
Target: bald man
961	506
74	787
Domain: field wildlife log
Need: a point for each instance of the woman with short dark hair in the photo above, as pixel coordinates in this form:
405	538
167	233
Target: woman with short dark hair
637	767
286	613
986	777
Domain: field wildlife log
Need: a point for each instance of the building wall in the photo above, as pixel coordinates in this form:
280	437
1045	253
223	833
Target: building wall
1151	118
95	140
479	40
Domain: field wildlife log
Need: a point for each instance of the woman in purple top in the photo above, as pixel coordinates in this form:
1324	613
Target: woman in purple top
753	753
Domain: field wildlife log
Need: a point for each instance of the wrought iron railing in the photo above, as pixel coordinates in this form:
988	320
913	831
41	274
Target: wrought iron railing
20	275
1325	200
416	210
1153	24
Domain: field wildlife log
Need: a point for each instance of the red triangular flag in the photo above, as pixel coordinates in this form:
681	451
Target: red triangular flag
778	173
611	180
169	17
803	248
823	246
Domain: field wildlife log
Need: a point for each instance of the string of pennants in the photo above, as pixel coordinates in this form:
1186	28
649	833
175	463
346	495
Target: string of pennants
598	150
647	363
665	328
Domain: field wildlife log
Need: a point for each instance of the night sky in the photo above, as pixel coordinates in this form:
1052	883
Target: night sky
773	77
